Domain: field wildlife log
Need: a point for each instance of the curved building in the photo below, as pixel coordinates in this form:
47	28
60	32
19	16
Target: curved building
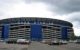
36	29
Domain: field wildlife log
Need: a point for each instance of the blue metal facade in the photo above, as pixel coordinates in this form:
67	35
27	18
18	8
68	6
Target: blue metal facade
36	32
64	33
5	31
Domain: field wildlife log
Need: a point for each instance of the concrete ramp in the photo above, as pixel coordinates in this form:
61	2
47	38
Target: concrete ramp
39	46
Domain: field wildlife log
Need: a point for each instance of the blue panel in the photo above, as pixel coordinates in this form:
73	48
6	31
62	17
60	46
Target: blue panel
64	33
36	32
5	31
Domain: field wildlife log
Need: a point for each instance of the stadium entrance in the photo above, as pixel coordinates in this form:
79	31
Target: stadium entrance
36	32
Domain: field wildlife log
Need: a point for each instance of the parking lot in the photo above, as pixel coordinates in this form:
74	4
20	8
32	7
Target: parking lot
4	46
39	46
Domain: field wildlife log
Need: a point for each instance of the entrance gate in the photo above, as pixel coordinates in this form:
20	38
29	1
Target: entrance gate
36	32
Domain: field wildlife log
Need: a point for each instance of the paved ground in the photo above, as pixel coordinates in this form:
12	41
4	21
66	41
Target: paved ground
39	46
70	46
4	46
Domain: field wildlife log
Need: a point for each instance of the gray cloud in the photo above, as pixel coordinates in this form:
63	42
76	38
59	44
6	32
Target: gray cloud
5	5
57	6
74	17
61	6
67	6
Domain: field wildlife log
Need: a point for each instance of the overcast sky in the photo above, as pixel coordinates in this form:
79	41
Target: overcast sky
68	10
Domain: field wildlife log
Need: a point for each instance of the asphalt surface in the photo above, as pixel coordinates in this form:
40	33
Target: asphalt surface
39	46
4	46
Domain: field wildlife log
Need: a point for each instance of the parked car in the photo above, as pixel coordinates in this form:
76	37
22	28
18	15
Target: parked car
58	42
78	41
55	42
9	41
46	41
23	41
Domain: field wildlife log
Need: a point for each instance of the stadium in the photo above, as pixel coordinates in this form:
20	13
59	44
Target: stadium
35	29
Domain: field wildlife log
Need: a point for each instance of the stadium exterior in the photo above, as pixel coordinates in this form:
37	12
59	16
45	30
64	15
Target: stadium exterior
37	29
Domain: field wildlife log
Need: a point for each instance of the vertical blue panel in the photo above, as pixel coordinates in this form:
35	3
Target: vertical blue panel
5	31
64	33
36	32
